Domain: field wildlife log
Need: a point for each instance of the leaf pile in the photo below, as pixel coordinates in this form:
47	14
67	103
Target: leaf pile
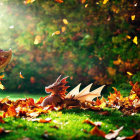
128	105
25	108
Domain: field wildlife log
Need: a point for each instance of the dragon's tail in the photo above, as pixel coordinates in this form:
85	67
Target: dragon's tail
85	95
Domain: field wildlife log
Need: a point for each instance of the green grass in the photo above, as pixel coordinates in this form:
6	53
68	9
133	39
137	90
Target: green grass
69	123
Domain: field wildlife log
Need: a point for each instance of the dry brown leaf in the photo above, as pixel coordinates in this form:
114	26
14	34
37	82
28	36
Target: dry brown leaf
97	131
92	123
113	134
105	113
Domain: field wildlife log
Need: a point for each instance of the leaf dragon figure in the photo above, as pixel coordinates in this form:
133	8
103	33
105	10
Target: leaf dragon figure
5	57
74	98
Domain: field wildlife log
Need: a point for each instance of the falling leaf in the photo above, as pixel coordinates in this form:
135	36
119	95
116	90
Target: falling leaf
56	33
129	37
105	1
1	76
1	86
86	5
129	73
63	29
133	17
65	21
135	40
21	76
83	1
59	1
32	80
37	39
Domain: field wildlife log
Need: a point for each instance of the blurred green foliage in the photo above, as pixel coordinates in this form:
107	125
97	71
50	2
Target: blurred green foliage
93	45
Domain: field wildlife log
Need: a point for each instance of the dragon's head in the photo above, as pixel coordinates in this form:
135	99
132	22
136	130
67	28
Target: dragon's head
58	87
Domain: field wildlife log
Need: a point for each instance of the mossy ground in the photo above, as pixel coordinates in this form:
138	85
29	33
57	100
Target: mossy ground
69	124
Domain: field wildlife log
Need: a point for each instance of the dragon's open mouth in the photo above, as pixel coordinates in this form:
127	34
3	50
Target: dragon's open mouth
5	57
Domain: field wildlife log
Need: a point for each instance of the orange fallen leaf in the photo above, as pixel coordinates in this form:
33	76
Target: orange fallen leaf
21	76
47	120
11	112
97	131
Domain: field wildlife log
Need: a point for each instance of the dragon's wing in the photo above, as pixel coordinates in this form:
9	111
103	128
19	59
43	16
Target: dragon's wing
86	90
85	94
88	97
91	95
73	92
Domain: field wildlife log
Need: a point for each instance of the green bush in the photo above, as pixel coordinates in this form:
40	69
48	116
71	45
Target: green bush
92	47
